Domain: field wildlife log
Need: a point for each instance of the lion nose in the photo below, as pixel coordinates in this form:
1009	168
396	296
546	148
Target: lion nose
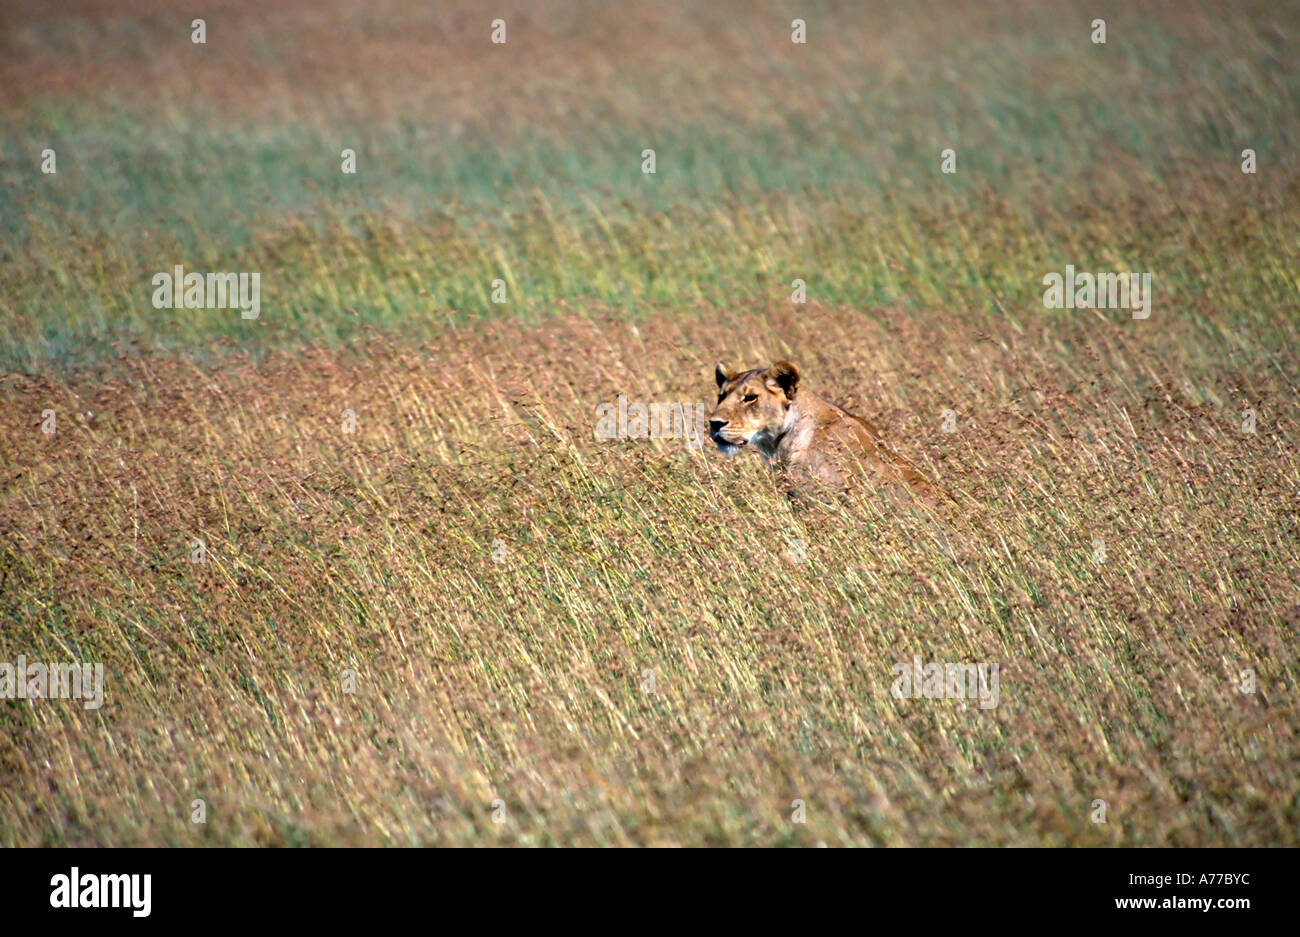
715	425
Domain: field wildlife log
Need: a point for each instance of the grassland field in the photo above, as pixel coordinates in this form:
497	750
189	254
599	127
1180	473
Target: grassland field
472	622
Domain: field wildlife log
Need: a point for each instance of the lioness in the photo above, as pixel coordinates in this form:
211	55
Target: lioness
794	428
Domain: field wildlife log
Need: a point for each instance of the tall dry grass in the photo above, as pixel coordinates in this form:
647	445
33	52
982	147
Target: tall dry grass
472	609
507	588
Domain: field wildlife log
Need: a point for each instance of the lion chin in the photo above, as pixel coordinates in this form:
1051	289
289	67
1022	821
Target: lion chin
726	446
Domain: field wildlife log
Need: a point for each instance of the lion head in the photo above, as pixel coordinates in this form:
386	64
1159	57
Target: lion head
752	405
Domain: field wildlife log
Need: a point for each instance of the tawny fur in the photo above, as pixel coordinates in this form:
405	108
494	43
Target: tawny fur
793	428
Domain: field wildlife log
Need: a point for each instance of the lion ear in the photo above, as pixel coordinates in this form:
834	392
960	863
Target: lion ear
786	376
722	374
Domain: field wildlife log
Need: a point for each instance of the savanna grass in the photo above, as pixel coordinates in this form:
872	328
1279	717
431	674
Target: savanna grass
633	641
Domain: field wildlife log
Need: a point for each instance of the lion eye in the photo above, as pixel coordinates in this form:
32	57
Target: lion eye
749	398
